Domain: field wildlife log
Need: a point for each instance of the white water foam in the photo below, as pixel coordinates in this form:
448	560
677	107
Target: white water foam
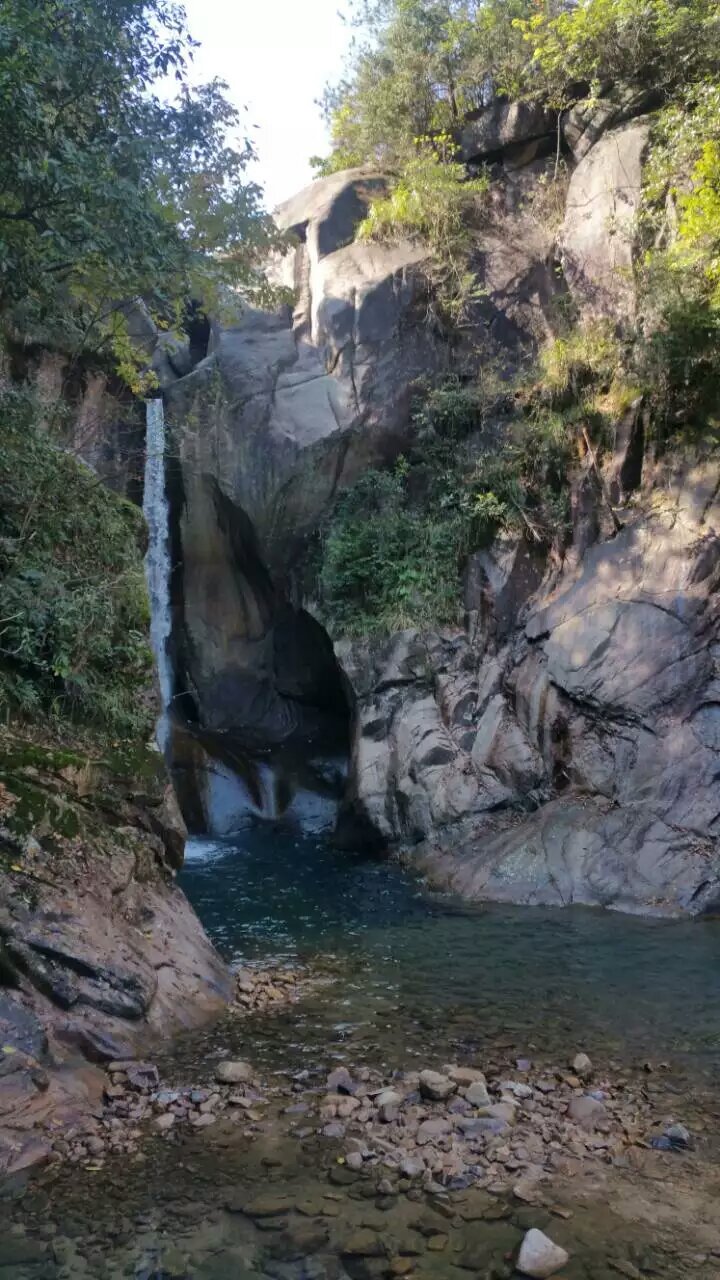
157	560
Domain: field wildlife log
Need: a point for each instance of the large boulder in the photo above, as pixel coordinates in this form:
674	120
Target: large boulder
503	126
586	122
597	239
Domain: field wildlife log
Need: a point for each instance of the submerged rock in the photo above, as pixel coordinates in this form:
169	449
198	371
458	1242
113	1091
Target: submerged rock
539	1257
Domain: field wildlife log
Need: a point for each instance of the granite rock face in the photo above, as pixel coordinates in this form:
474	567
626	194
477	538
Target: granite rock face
597	239
565	746
287	410
284	411
100	952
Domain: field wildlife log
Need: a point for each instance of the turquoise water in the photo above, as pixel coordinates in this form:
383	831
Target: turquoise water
418	965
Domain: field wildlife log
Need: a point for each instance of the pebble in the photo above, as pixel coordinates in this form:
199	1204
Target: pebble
431	1130
539	1256
467	1075
340	1081
165	1122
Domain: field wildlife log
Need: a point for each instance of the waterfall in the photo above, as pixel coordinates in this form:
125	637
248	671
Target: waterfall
157	560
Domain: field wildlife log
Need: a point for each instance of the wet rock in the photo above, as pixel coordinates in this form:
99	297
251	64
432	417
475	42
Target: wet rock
363	1244
234	1073
435	1086
588	1113
477	1095
436	1244
265	1206
340	1081
300	1239
679	1136
582	1066
400	1266
412	1166
16	1251
539	1256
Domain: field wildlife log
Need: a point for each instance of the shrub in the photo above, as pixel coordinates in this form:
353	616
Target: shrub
587	354
73	606
396	544
433	200
388	564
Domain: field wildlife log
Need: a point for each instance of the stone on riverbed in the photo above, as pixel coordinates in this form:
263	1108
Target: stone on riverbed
587	1113
436	1086
265	1206
234	1073
539	1256
477	1095
582	1066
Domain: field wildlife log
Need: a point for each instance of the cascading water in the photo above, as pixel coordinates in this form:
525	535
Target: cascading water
157	560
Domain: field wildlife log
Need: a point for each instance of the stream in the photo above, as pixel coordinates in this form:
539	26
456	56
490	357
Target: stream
407	979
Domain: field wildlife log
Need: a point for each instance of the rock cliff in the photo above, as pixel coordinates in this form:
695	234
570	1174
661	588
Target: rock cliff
101	954
562	746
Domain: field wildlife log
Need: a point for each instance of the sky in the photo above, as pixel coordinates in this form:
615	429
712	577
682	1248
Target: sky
276	56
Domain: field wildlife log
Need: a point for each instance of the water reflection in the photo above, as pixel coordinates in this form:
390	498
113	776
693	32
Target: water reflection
621	984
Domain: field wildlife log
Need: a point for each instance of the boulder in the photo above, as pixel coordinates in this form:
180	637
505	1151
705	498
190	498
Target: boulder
597	239
585	123
502	126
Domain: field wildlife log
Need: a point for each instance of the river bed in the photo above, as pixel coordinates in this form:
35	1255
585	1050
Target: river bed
407	979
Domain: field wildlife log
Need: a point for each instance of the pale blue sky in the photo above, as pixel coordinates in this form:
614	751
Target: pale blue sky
276	56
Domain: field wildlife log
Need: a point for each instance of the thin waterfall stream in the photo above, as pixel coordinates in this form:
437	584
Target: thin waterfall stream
157	560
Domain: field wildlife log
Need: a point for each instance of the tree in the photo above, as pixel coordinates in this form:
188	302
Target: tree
106	191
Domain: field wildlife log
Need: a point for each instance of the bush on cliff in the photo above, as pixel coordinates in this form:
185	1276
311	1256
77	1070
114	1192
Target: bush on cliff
73	604
395	547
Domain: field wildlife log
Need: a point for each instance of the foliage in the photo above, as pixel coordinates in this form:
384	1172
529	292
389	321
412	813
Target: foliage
419	68
386	563
106	191
662	42
73	606
397	542
433	199
678	359
586	354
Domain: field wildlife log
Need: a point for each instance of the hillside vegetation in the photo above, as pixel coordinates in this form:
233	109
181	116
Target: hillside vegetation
419	70
108	192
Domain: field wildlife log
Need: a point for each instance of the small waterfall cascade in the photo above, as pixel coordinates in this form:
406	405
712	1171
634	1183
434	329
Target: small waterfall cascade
157	560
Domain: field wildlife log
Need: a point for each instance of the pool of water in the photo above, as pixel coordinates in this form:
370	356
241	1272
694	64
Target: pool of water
415	979
419	968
